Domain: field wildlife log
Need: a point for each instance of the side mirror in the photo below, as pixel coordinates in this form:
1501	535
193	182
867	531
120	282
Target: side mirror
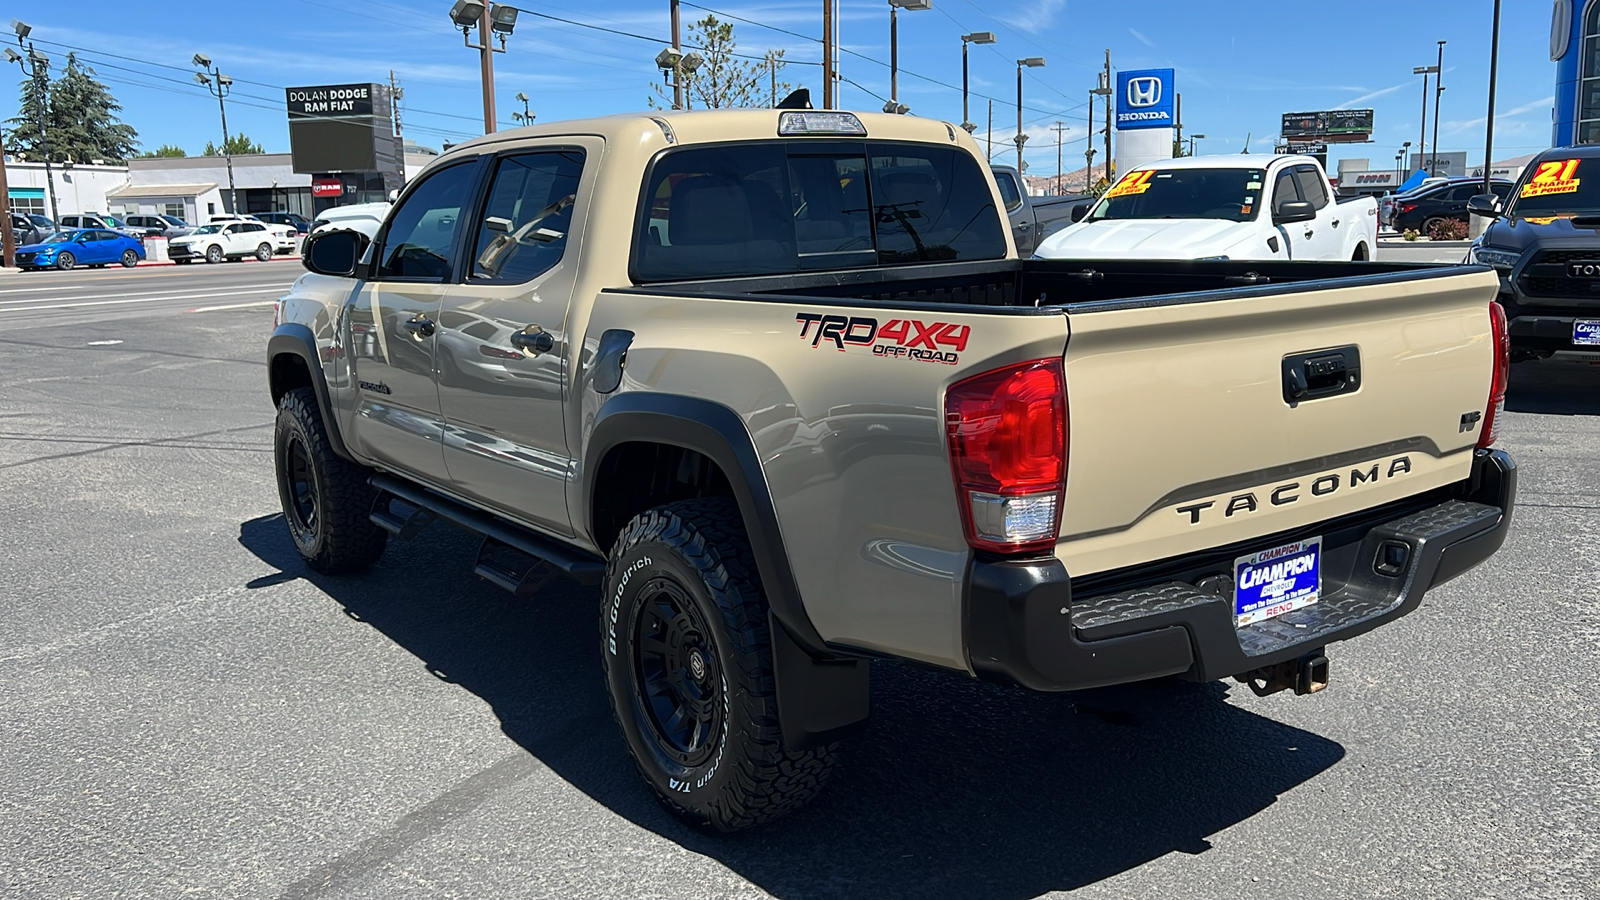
1487	205
1079	211
1294	211
334	253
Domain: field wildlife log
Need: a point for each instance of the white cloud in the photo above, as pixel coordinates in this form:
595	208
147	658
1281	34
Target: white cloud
1370	95
1501	117
1142	39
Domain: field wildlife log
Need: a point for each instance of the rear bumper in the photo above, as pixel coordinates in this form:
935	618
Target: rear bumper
1024	625
1548	333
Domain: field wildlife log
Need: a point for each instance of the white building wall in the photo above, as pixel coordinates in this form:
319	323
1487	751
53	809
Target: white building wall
79	189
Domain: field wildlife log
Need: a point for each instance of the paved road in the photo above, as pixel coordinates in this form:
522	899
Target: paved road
50	297
185	709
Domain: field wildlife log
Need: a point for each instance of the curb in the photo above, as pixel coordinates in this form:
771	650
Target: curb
1443	245
145	263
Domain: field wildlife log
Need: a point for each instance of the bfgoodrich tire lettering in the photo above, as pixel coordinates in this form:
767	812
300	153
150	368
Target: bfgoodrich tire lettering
688	661
326	498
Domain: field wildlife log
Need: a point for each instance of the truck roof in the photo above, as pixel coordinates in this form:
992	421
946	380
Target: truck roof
706	126
1226	161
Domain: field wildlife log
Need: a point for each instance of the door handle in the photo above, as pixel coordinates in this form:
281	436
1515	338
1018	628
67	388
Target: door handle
420	326
533	339
1336	223
1309	233
1024	225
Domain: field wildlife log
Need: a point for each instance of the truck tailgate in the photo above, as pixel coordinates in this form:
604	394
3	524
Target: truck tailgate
1181	437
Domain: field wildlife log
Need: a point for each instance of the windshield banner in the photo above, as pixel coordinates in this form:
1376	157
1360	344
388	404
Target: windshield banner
1558	176
1132	183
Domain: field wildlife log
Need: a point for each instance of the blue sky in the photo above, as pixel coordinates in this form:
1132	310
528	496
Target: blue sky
1239	64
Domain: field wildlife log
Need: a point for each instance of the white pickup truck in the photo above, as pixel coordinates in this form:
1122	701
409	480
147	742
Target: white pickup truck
1221	207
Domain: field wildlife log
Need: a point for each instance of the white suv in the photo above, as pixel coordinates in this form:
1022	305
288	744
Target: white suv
227	240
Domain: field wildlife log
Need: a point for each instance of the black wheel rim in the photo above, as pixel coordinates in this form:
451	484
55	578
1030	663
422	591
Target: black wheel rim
302	493
679	676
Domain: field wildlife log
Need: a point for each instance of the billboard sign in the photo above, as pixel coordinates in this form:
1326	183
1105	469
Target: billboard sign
1145	99
342	128
331	101
1331	125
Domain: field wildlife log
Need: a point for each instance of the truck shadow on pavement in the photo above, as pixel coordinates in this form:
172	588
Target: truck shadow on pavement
1562	387
958	789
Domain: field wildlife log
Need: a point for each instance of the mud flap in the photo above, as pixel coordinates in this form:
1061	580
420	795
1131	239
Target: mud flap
820	701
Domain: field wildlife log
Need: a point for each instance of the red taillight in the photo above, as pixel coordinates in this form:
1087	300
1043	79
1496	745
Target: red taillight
1007	431
1500	332
1407	207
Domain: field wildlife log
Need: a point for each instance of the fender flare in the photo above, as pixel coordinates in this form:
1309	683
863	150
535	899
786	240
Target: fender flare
295	339
821	697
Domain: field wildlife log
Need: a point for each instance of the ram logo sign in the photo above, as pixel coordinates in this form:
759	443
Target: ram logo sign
1144	99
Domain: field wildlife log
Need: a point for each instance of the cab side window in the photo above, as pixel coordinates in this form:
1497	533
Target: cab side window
1311	187
524	229
1284	190
420	242
1009	195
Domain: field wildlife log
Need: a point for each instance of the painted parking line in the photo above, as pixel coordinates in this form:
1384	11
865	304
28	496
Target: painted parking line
172	292
152	299
232	306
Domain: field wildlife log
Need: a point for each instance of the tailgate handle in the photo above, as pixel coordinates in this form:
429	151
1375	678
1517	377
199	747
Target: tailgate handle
1251	277
1321	373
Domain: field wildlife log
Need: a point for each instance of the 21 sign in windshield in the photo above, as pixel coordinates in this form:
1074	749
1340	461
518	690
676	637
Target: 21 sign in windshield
1276	581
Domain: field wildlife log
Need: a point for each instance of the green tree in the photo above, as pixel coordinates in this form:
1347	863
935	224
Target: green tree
724	80
165	150
1180	149
237	144
81	118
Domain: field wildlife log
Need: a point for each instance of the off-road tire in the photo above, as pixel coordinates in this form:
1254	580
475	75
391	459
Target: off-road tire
337	535
264	253
744	776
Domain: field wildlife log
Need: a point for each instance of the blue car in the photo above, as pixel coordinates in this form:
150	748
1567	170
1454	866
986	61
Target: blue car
70	248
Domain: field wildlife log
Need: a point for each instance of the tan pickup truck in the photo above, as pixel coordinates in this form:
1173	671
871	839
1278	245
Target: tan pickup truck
776	382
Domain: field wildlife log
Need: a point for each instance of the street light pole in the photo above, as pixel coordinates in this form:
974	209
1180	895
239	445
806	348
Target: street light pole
894	105
496	19
1031	62
219	85
677	72
1438	92
486	56
1060	127
37	67
526	116
1494	62
827	54
1422	136
977	37
8	240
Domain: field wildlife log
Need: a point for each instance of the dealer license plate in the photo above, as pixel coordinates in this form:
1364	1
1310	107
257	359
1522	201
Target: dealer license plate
1276	581
1586	333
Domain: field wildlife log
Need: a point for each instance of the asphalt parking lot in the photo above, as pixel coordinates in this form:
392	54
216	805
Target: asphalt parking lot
188	710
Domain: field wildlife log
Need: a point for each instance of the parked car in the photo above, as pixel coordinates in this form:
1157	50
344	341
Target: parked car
226	240
284	237
1426	207
1221	207
803	408
161	226
101	220
30	228
299	223
1032	218
362	217
70	248
1544	241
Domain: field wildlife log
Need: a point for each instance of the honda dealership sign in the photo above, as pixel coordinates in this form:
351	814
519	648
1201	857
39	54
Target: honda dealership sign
1145	99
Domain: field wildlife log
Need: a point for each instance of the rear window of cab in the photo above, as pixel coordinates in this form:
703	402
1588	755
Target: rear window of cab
775	207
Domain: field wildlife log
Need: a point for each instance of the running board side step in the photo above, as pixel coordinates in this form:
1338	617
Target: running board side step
584	568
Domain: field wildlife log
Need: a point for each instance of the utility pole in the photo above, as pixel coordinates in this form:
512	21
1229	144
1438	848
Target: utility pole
1059	127
221	85
1088	150
827	53
677	64
772	73
1177	113
1437	93
990	136
36	65
8	240
1108	90
486	52
1494	62
395	93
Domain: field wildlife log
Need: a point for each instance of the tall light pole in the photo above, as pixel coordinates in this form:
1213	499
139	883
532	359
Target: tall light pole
1422	136
1103	90
1031	62
827	54
8	240
219	85
36	65
1192	139
1398	165
1494	62
1088	153
894	105
495	19
1059	127
977	37
1438	92
526	116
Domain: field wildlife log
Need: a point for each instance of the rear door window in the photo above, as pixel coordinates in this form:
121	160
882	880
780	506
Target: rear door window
1311	185
1009	195
771	208
524	229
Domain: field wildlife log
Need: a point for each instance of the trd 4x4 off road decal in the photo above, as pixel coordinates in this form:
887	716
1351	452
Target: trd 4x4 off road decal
937	342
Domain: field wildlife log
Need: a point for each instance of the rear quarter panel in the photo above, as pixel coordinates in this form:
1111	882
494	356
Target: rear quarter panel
852	446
